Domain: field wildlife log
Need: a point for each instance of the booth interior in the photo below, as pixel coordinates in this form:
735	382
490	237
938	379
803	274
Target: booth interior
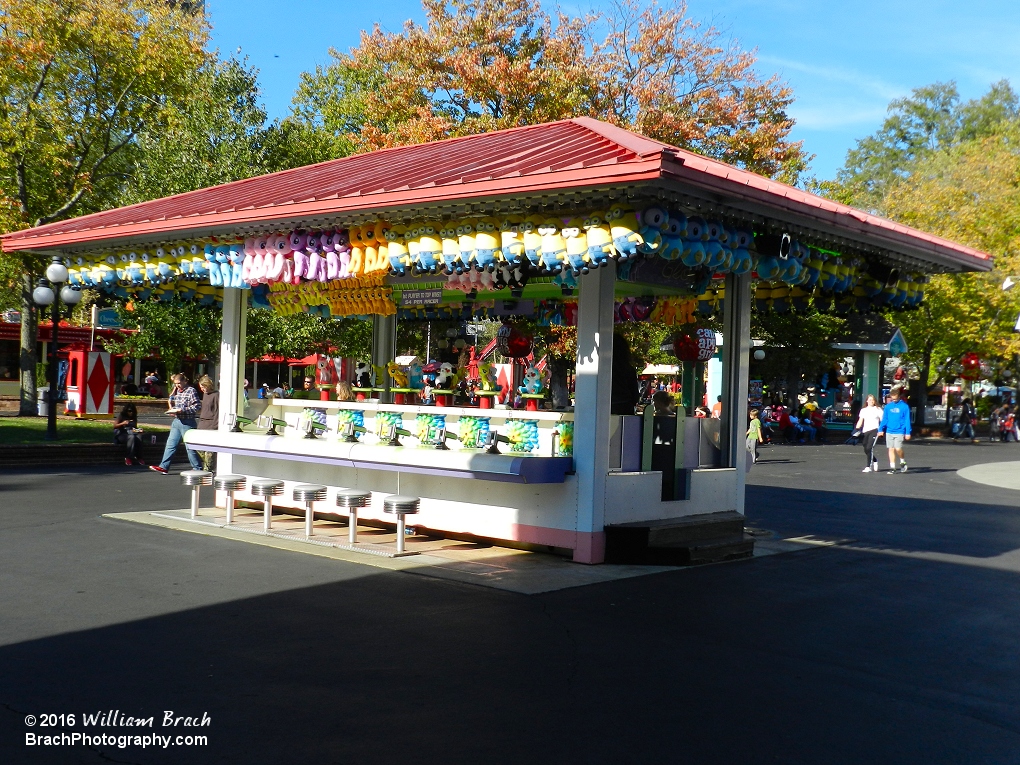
576	224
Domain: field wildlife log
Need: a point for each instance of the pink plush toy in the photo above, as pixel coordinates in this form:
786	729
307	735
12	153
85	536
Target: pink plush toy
267	272
315	259
249	273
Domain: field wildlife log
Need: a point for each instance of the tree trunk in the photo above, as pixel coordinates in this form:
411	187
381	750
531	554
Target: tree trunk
558	383
29	341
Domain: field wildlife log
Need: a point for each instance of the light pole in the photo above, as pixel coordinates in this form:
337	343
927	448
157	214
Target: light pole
45	295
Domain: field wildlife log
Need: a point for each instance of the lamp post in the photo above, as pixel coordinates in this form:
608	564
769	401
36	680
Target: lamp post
51	292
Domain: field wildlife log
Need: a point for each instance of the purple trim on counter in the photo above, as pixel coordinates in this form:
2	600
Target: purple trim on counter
522	470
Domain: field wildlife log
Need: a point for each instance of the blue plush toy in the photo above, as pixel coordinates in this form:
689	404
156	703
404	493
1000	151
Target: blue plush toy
653	221
236	257
694	253
743	261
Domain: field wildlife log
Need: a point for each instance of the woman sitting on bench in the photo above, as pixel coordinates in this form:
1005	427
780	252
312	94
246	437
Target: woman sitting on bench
126	431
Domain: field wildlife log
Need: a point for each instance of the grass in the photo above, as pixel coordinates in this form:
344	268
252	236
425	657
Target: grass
32	430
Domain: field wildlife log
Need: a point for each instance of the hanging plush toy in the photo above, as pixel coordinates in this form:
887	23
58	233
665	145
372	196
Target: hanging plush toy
714	254
237	258
396	250
430	248
313	249
672	237
623	226
511	240
554	247
356	266
466	243
653	221
451	248
599	238
743	261
694	253
487	244
532	240
577	246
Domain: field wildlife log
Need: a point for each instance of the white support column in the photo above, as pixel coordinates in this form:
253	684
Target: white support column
138	372
232	357
736	358
593	385
384	342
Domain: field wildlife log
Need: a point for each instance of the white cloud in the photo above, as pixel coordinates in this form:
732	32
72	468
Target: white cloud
862	82
835	116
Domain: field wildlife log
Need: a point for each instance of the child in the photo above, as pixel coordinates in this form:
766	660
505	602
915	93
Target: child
754	435
662	403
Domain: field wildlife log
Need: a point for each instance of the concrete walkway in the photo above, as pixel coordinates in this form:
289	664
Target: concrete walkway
884	630
1004	475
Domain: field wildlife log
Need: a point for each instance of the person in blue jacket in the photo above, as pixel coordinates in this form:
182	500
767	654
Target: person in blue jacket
895	425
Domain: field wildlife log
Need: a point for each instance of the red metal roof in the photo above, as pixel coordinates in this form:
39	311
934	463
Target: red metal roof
574	154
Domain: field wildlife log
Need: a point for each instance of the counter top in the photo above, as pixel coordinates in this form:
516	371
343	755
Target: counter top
415	409
477	464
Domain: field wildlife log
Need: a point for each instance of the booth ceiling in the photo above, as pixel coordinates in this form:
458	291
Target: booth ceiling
570	164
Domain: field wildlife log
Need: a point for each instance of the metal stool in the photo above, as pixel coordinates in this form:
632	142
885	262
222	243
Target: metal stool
229	483
197	479
309	493
352	499
267	488
401	506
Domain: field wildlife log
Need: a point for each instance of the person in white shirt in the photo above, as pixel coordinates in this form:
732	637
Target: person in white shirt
868	421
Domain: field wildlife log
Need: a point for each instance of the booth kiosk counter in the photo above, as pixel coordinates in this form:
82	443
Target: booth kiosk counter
709	234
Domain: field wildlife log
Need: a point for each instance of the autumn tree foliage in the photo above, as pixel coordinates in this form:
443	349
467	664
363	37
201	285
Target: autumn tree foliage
481	65
79	80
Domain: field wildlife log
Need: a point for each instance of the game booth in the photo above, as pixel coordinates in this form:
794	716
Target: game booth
574	223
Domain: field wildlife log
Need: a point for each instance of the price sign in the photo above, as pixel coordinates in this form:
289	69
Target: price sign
421	297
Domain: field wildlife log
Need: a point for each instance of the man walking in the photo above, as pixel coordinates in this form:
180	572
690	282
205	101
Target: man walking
895	425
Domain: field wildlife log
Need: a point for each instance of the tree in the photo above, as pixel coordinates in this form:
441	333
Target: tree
482	65
78	81
174	331
217	135
930	120
302	334
796	344
969	193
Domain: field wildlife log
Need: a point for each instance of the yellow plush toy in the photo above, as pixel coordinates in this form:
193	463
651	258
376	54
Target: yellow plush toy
554	248
488	243
466	242
397	375
430	247
356	267
532	239
600	239
511	241
451	248
623	227
577	246
396	250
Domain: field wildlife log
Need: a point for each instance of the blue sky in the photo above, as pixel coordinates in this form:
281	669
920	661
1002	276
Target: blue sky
844	60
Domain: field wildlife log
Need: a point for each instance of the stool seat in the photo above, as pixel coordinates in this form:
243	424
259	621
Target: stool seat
353	498
196	478
266	487
229	482
309	492
400	504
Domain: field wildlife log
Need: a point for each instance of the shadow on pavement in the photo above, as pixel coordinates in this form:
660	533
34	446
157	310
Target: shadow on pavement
910	523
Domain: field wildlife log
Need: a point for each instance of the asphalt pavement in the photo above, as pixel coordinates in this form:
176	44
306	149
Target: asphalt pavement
892	639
